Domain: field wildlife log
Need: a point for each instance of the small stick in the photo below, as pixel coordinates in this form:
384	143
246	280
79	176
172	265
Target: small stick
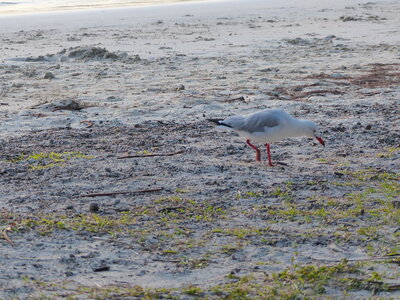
310	93
358	259
167	260
87	122
394	287
7	238
115	241
150	155
241	98
119	193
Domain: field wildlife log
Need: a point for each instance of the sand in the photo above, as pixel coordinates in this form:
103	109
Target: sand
79	90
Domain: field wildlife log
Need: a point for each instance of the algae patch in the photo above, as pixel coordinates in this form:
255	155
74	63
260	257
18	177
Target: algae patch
44	160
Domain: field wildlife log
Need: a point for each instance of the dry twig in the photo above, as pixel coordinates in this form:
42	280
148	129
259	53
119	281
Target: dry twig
387	257
150	155
230	100
120	193
318	92
115	241
6	237
88	123
167	260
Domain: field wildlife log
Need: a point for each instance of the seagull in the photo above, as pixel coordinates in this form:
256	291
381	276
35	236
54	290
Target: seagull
269	126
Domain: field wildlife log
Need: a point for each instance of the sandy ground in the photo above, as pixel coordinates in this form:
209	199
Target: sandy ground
206	221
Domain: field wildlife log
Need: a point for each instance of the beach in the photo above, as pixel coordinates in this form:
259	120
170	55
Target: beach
28	7
80	91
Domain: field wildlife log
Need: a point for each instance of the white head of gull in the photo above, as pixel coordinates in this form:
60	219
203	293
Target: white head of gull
269	126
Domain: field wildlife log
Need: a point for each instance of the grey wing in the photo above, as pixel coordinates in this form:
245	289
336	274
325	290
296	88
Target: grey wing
258	121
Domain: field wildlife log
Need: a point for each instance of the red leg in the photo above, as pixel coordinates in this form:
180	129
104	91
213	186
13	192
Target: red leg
258	152
269	155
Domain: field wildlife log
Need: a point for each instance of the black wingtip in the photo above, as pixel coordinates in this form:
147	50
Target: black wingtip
219	122
216	121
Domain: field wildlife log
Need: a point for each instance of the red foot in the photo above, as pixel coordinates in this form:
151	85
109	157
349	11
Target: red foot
258	152
269	155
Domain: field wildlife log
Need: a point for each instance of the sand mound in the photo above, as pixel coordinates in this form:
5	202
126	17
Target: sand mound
84	53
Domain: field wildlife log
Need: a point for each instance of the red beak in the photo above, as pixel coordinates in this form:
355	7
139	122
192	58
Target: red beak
320	140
